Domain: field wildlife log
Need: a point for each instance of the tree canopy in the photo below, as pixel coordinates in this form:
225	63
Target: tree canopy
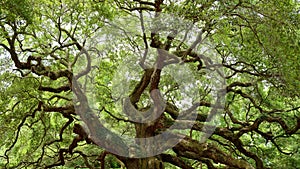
150	84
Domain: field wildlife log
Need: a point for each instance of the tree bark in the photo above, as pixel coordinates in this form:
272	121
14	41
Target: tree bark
150	162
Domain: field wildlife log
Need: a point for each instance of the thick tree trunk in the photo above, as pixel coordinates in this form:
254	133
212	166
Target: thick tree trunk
144	131
144	163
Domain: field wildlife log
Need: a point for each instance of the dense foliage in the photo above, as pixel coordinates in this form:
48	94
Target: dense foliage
55	55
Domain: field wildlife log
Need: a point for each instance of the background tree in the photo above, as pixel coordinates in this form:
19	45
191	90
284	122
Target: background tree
44	60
